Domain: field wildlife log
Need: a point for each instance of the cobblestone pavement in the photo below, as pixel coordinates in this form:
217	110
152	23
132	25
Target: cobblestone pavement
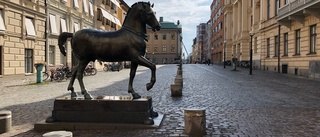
237	104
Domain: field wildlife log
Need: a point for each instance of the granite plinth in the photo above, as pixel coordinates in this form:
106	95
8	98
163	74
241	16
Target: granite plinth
104	109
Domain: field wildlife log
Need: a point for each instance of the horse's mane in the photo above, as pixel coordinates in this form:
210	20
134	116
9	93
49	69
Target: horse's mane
133	6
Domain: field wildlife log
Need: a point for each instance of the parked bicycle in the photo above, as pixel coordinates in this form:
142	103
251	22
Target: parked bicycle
89	71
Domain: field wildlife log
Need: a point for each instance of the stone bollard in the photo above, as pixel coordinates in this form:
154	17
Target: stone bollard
195	122
58	134
178	80
179	72
176	90
5	121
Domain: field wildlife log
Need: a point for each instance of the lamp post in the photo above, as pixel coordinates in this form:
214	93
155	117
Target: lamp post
224	54
251	34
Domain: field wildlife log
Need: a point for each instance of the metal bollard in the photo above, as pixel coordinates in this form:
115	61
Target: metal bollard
5	121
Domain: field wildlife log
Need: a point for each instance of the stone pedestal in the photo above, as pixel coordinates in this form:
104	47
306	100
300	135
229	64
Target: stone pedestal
58	134
104	109
5	121
195	122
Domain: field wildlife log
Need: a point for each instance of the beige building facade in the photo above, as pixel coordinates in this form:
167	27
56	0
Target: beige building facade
165	46
22	36
66	16
283	33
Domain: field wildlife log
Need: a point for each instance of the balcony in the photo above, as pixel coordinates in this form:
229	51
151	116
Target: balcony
297	10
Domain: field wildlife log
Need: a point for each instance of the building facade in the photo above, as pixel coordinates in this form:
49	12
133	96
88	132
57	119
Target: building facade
217	38
165	46
283	34
65	16
22	35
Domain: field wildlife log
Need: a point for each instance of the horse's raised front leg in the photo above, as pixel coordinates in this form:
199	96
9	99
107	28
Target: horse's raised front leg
81	67
133	70
144	62
74	95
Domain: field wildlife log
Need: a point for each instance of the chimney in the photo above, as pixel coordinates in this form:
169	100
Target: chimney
178	22
161	19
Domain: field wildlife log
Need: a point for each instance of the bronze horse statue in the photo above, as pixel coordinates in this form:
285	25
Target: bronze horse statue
125	44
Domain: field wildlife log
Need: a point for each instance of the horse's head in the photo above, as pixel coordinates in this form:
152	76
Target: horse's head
149	17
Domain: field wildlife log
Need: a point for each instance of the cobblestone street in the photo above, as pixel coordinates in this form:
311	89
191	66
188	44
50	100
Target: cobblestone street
236	104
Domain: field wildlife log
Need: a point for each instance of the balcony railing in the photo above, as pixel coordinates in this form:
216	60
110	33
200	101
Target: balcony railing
295	6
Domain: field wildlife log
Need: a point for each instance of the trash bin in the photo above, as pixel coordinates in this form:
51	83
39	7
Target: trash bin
39	67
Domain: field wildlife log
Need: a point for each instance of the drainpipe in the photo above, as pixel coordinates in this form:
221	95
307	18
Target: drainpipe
279	27
46	33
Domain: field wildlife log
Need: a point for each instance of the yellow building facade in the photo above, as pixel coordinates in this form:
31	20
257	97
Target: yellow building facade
283	34
22	35
164	46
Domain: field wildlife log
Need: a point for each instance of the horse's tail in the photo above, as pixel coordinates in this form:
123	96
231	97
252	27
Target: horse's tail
62	40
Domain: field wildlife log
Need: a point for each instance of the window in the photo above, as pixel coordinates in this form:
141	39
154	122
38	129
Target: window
285	2
28	60
268	9
63	25
164	36
108	2
30	27
51	54
53	24
276	44
76	27
164	48
2	28
277	6
155	48
251	20
85	6
91	9
173	48
313	39
255	45
156	36
75	4
297	42
99	15
268	47
285	44
173	37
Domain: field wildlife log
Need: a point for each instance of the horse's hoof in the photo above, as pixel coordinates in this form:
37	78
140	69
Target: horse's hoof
148	121
149	86
154	114
74	95
50	120
87	96
136	96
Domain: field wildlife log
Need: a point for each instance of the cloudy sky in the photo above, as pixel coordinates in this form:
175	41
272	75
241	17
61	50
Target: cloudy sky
190	13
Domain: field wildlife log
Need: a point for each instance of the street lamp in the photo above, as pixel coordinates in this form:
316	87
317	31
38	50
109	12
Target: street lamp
224	54
251	34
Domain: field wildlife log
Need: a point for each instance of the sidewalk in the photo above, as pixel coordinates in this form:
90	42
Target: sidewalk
16	80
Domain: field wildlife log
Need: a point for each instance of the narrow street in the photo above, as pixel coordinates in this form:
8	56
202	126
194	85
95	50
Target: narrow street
236	104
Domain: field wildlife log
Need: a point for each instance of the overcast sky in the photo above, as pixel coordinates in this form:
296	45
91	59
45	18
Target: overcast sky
190	13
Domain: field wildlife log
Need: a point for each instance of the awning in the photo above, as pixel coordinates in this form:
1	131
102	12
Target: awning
30	27
115	2
63	25
85	6
91	9
110	17
53	24
2	28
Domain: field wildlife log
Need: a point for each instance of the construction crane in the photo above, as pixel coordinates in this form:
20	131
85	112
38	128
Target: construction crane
185	48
